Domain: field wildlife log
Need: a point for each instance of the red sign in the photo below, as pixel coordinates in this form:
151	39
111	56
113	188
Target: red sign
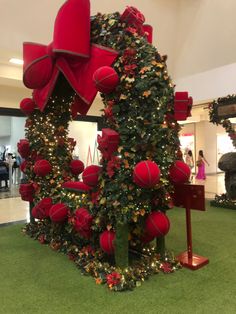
190	196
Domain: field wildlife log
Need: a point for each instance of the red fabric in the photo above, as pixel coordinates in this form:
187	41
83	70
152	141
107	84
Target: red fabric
69	53
179	172
26	191
59	212
42	167
23	148
106	79
148	32
76	167
146	174
27	106
91	174
157	224
76	186
106	241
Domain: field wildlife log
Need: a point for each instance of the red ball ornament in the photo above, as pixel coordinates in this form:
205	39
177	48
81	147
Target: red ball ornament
58	212
106	79
146	174
107	241
76	186
91	174
23	148
27	105
76	167
179	172
42	167
157	224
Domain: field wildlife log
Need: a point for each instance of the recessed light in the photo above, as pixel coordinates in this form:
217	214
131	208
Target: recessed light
16	61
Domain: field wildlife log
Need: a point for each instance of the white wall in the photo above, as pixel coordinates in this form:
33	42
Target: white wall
5	126
85	134
17	132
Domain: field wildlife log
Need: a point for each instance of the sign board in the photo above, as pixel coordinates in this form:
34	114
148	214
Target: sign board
226	110
190	196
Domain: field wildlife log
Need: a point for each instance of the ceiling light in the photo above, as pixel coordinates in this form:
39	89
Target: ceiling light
16	61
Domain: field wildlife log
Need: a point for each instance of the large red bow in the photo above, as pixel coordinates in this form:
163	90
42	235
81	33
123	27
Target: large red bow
70	53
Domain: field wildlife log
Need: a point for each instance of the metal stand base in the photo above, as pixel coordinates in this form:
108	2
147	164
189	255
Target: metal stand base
195	262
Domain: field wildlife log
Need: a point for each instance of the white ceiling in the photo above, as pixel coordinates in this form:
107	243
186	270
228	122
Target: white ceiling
197	35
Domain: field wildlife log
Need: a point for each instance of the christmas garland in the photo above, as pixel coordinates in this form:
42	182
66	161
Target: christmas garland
214	117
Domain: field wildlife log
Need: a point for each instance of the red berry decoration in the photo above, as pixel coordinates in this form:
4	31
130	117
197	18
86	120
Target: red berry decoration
76	167
107	241
106	79
179	172
41	210
83	221
58	212
26	191
23	148
157	224
146	174
42	167
91	174
27	106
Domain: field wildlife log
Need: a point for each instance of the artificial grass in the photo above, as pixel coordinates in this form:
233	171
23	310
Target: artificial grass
35	279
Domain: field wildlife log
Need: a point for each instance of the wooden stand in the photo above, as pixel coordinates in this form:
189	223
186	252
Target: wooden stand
190	196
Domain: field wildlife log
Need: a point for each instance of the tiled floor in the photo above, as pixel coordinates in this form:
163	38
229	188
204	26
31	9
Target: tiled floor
13	209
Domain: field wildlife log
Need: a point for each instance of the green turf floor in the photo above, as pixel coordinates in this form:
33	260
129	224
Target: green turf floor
35	279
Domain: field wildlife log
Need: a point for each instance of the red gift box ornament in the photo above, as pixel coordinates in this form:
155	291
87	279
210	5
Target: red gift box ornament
148	30
182	106
69	53
132	16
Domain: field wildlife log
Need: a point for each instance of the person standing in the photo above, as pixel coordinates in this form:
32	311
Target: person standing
189	161
201	161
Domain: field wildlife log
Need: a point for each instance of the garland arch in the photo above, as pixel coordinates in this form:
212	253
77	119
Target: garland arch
140	127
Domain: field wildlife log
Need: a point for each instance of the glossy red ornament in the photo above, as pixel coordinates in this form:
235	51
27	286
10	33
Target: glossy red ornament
42	167
107	241
157	224
91	174
27	106
106	79
76	167
179	172
59	212
146	174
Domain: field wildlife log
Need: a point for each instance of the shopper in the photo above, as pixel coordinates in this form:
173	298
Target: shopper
201	161
189	161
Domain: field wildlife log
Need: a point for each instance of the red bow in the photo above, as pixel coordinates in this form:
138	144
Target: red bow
70	53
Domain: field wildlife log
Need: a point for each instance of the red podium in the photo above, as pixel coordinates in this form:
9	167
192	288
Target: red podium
190	196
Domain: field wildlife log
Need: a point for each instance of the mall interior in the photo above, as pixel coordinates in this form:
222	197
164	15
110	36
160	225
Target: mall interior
197	36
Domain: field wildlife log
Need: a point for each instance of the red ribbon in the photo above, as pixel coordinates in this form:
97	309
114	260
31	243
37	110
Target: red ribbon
70	53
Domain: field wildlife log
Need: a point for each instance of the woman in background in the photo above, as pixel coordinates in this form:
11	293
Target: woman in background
189	161
201	161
